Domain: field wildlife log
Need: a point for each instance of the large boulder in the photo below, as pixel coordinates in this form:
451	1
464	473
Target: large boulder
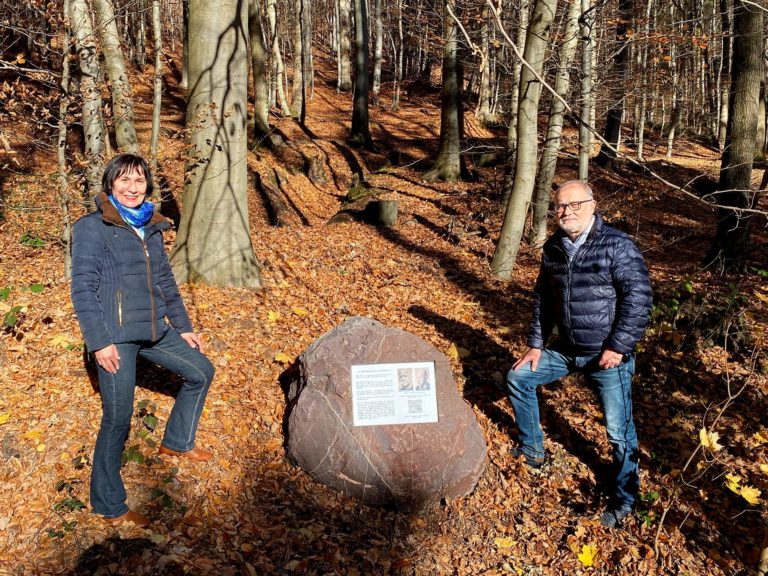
404	465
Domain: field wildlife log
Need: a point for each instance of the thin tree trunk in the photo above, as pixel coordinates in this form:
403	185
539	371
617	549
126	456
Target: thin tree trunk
525	170
448	164
299	100
643	63
725	73
213	244
277	57
615	113
378	51
122	103
345	66
400	54
258	66
185	45
158	83
587	101
61	148
483	109
360	133
554	126
93	124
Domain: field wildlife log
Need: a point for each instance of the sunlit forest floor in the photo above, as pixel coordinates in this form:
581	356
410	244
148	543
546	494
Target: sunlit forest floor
249	511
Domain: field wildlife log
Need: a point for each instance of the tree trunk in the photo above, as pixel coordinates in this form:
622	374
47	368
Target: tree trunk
213	244
525	166
158	87
378	51
555	126
258	65
122	104
141	36
360	134
587	100
448	164
93	124
345	66
277	59
483	109
66	226
400	54
730	248
514	106
185	45
760	138
725	73
643	64
299	100
612	132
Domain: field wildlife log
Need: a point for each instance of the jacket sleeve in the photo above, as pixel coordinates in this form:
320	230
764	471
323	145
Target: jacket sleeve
88	253
541	324
634	297
175	309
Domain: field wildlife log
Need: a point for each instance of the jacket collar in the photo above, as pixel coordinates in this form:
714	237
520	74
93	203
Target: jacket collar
110	214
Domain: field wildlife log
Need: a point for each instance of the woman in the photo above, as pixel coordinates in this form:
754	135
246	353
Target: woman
128	305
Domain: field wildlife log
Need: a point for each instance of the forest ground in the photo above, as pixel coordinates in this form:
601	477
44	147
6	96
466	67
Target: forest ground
249	511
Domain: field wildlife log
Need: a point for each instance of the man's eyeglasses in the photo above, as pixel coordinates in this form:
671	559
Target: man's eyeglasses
574	206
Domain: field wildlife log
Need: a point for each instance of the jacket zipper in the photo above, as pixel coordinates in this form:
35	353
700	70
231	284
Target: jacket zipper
149	285
120	308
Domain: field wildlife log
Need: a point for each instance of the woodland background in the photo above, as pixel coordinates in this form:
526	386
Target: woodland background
271	126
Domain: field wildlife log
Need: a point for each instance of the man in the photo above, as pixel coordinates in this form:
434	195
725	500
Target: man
593	287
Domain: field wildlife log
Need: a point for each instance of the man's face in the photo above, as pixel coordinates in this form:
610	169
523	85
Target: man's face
573	222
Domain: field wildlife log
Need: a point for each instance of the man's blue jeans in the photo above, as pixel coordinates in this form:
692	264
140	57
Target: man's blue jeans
117	392
615	388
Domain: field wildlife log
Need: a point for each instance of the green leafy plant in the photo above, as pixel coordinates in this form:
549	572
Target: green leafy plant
31	241
68	504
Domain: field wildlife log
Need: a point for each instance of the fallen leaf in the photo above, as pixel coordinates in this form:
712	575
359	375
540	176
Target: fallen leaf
732	482
4	417
505	542
273	316
751	494
587	556
763	467
452	352
283	358
709	440
300	312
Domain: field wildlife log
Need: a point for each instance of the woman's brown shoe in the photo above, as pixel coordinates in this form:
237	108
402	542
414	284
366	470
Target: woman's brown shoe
196	454
130	516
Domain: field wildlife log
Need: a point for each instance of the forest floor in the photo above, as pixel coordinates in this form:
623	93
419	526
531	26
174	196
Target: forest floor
250	511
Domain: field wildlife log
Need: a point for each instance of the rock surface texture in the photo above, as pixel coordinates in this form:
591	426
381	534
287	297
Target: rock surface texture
406	465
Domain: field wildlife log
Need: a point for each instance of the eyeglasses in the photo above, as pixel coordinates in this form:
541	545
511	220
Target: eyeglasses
574	206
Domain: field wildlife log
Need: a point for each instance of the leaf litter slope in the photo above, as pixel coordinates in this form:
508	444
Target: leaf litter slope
249	511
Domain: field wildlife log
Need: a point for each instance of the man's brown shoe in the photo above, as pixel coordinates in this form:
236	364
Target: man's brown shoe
130	516
196	454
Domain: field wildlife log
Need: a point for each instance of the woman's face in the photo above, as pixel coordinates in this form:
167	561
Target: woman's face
130	188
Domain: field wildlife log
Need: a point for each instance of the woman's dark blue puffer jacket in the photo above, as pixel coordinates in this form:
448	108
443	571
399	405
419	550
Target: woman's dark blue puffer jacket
123	288
601	299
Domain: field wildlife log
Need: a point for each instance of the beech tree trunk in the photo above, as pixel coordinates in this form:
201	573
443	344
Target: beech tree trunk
61	148
360	133
299	93
122	103
483	109
587	100
93	123
259	70
345	65
725	73
158	83
449	164
527	142
277	59
378	51
554	126
730	247
400	55
612	133
213	244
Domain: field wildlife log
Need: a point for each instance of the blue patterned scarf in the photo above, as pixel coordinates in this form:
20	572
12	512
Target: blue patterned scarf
136	217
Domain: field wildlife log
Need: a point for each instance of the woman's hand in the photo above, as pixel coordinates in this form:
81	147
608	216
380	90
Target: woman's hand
108	358
193	340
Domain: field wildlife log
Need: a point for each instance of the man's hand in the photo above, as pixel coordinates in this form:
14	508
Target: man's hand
108	358
610	359
193	340
532	356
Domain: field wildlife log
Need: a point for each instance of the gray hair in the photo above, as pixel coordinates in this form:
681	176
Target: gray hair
583	185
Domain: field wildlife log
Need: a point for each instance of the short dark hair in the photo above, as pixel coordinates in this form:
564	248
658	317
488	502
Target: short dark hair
122	164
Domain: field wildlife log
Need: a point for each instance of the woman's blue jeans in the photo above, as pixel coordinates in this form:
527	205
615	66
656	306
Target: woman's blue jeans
117	392
615	388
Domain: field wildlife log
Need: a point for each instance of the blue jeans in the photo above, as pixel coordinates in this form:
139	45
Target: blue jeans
117	391
615	388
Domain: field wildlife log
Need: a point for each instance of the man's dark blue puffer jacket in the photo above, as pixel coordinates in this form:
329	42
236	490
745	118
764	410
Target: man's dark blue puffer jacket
600	300
123	288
